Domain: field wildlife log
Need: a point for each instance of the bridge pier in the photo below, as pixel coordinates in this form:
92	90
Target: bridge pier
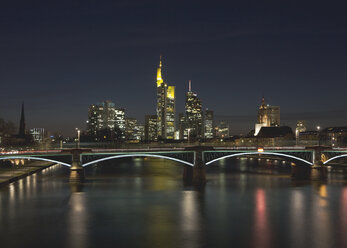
188	174
199	172
318	171
76	170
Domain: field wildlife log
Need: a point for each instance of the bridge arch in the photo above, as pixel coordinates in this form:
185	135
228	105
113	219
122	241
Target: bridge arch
137	155
336	157
35	158
268	153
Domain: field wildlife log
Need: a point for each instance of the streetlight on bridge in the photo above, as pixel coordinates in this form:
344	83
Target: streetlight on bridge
318	136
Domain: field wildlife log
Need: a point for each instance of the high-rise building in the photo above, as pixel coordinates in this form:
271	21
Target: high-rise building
22	130
208	124
268	116
105	116
150	127
193	114
130	128
139	133
120	121
165	107
38	134
182	126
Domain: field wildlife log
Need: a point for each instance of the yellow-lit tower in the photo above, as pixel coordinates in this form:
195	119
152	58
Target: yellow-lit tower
165	107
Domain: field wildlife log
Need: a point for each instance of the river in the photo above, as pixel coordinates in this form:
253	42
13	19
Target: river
144	203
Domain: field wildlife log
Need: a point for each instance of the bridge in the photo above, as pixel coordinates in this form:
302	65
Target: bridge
194	159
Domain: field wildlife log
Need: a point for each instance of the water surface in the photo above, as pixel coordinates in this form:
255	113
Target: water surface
144	203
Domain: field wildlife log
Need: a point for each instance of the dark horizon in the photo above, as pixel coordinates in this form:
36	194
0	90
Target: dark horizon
60	57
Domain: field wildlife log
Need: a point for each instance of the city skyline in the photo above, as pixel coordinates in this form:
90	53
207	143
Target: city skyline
232	53
312	118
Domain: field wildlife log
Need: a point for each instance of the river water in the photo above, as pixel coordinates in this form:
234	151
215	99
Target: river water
144	203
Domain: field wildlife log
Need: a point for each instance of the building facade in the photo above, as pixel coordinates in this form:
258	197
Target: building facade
38	134
194	114
208	124
150	128
222	130
165	107
300	127
268	116
105	118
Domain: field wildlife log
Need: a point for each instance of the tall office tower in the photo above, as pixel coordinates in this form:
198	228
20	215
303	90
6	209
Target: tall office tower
139	133
22	131
182	126
165	107
268	116
130	128
105	116
208	124
120	121
193	114
150	127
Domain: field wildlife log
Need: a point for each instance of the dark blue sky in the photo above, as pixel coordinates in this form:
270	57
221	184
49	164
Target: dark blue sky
61	56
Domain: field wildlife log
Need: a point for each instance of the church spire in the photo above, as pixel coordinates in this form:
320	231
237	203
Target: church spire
21	133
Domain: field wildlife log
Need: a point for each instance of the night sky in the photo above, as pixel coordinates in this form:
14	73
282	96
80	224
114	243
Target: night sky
61	56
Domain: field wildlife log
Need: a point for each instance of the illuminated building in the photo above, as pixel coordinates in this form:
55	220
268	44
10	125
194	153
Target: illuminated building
300	127
193	114
222	130
268	116
208	124
334	136
140	132
130	128
150	127
165	107
182	126
133	131
120	120
37	134
105	116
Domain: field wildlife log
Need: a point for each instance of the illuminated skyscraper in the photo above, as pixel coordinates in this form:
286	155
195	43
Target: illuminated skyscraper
105	116
193	114
268	116
208	124
165	107
150	127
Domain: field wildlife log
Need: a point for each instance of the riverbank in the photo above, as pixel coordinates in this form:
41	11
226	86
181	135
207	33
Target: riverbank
14	173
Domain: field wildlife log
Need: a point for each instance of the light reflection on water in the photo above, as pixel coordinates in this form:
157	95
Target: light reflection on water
145	204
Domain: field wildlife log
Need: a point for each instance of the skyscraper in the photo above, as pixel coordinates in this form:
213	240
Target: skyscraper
165	107
268	116
105	116
150	127
182	126
193	114
208	124
21	132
